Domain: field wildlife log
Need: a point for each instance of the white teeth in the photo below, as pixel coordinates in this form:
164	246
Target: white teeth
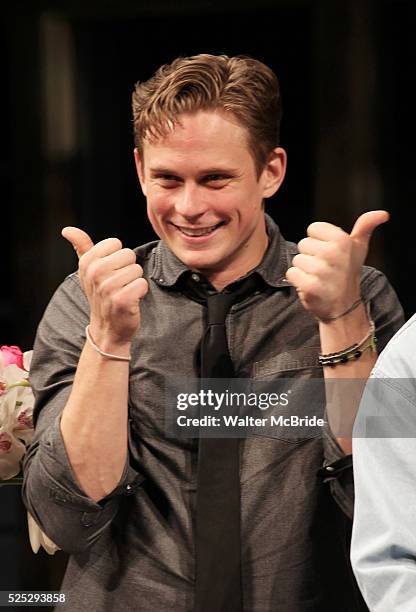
198	232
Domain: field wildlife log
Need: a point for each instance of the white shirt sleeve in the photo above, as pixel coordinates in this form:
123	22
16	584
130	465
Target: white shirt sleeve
383	548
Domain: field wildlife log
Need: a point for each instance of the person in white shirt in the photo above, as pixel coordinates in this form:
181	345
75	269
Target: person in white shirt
383	551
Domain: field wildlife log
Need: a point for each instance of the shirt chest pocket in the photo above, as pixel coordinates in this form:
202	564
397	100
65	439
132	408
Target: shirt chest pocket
301	362
291	385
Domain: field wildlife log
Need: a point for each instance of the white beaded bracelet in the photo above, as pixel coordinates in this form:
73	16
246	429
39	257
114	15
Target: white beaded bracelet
97	348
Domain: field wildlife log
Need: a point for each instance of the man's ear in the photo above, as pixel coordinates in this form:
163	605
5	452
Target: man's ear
274	172
140	170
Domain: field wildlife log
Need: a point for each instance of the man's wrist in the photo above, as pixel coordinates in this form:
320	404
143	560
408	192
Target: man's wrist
341	312
104	342
337	334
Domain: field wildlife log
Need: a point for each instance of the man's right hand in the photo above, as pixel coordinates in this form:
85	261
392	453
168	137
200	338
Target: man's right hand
114	285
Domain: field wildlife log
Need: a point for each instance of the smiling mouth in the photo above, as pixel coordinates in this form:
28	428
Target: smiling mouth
198	231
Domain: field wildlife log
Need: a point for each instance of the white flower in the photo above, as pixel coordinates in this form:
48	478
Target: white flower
38	538
11	453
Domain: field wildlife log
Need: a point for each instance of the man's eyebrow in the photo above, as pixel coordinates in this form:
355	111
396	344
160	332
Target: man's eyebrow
162	170
216	170
204	172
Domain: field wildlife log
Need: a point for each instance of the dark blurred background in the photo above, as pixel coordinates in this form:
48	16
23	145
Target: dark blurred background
347	76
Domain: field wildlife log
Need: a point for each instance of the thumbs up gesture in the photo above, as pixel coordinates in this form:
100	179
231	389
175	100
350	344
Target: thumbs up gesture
113	283
327	270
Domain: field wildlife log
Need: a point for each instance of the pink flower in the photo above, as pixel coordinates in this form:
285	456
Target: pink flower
12	354
5	442
24	419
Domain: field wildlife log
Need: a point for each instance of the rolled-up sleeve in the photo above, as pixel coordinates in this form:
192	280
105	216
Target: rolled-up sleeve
50	489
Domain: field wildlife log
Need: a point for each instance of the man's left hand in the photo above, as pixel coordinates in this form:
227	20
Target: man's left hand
327	270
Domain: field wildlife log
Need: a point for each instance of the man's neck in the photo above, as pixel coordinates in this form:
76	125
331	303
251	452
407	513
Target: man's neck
223	278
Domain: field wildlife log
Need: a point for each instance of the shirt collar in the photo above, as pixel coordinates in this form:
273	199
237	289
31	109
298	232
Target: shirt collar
168	269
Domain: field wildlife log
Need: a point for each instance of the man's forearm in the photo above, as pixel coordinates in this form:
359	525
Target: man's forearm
94	421
336	336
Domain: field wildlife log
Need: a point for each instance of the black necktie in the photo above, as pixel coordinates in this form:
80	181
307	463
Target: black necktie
217	534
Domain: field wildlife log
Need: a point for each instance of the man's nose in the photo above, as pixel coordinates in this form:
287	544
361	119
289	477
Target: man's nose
190	201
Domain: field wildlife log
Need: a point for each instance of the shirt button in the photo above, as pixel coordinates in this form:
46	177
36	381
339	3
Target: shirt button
161	280
87	519
195	277
329	468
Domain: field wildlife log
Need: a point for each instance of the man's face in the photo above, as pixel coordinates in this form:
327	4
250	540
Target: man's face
204	198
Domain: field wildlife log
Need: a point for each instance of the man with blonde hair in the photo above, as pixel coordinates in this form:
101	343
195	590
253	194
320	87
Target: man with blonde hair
217	524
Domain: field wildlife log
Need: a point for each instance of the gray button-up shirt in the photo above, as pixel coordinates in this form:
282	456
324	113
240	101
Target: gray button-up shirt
135	548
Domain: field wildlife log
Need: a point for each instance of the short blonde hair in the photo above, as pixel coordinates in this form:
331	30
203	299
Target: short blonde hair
240	85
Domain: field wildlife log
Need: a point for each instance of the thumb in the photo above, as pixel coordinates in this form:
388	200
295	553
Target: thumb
366	224
78	238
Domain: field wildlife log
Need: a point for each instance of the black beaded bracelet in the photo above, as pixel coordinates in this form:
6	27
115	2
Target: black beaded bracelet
353	352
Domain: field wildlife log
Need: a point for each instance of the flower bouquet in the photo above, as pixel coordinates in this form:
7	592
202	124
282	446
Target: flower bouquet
16	409
16	427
